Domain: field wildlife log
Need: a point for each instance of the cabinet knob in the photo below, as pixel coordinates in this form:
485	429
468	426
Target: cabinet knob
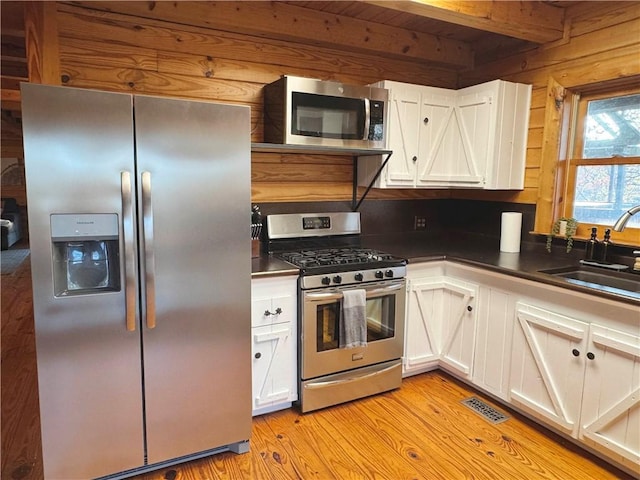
278	311
590	356
575	352
426	120
267	313
469	308
258	355
415	159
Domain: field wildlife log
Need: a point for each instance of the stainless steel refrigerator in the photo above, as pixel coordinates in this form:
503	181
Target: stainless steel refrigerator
138	211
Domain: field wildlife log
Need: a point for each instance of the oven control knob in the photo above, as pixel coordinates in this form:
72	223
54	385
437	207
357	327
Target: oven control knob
337	279
388	273
359	277
325	280
379	274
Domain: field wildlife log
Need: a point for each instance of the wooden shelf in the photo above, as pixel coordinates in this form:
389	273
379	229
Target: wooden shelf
321	150
316	150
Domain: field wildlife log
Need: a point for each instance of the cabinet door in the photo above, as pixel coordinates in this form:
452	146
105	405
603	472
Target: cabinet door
274	343
610	419
458	327
449	159
547	367
492	359
475	114
273	365
404	115
423	327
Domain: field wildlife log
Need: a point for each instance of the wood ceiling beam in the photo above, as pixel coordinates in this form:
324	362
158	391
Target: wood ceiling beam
41	39
282	21
532	21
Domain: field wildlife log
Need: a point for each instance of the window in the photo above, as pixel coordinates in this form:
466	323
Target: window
603	171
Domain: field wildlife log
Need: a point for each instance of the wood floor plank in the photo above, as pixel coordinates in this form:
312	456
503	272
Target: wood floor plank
523	446
403	441
317	452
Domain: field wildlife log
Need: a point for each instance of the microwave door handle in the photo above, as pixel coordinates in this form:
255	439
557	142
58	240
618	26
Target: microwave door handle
128	242
149	259
367	119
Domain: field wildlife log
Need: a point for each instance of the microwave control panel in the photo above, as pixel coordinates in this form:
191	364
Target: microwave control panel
376	122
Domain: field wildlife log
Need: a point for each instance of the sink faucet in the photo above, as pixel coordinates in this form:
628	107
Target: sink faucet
621	223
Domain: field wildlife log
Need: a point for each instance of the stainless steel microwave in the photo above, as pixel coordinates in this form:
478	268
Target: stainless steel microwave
305	111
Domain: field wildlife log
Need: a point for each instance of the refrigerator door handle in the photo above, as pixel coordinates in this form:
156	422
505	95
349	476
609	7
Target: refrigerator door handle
149	262
128	242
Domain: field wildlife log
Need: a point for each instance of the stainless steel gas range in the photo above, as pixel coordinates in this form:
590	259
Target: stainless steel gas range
351	304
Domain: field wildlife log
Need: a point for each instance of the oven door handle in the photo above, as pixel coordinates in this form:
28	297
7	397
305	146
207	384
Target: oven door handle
374	292
354	378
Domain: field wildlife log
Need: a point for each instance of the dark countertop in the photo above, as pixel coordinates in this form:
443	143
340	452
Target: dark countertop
478	251
268	266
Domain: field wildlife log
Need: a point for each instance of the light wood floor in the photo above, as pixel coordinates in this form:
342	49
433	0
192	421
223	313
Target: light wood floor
420	431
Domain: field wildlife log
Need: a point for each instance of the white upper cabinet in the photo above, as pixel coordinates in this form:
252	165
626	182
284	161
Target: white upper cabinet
404	137
475	137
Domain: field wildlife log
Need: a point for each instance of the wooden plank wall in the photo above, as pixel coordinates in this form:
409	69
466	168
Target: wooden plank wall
602	43
118	52
125	52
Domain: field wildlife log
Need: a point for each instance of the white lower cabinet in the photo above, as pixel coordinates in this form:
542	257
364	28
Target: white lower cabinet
610	418
441	323
568	359
422	329
547	366
582	378
274	343
492	358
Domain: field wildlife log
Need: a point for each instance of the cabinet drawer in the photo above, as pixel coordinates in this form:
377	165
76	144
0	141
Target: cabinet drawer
273	301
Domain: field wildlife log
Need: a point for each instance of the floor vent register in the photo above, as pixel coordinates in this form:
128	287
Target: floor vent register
486	411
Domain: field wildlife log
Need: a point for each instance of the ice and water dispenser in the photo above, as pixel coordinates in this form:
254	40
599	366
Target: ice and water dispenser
86	257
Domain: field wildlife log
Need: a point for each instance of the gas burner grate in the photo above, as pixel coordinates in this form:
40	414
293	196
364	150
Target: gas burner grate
334	256
484	410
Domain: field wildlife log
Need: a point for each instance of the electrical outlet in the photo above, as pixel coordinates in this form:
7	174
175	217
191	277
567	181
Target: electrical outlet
419	223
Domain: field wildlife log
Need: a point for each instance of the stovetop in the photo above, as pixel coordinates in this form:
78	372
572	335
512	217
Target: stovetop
322	244
342	259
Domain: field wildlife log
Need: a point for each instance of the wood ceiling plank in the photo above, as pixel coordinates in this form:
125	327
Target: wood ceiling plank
532	21
282	21
81	25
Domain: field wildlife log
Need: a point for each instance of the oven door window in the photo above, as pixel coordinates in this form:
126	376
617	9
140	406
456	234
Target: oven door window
380	317
325	116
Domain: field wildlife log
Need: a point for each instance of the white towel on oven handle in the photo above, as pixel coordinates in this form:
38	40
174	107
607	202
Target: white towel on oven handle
353	321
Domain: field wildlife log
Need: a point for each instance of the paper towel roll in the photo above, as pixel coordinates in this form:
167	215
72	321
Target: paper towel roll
510	229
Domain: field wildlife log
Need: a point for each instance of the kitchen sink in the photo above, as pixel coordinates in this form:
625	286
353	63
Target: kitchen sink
599	278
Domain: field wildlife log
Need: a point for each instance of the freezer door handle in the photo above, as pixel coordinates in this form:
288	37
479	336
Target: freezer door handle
128	242
149	262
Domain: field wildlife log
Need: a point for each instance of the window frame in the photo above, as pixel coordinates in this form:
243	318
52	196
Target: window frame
579	105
